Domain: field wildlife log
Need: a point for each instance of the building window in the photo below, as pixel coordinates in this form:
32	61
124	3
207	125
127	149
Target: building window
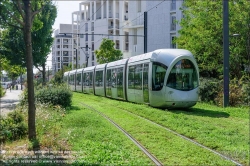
93	56
173	45
92	26
138	5
173	5
86	26
65	53
135	36
86	38
173	23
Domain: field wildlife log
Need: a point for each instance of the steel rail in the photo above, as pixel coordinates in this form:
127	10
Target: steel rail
151	156
184	137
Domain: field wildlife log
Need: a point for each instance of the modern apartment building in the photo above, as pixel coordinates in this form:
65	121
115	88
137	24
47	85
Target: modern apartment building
123	22
62	48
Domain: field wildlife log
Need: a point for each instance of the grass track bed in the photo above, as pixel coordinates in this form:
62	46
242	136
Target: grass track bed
224	130
97	141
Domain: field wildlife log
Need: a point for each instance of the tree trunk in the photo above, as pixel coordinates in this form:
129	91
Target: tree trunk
29	64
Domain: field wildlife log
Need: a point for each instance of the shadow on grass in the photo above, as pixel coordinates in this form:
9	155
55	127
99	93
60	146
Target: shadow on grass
201	112
73	109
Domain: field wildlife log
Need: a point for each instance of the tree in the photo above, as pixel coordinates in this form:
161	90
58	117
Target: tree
21	14
107	52
201	33
13	71
41	40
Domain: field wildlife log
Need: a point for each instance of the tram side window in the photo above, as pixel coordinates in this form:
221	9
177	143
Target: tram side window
120	82
114	77
138	77
158	75
84	79
131	73
71	81
135	77
108	82
108	78
78	79
87	79
145	76
65	78
99	79
90	78
120	76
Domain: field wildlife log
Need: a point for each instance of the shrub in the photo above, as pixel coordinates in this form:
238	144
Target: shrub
239	92
55	96
24	97
12	127
2	91
209	89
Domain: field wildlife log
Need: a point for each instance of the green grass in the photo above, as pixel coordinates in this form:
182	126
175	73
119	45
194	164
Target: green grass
96	141
224	130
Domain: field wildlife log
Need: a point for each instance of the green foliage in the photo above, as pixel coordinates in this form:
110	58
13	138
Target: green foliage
55	96
24	97
2	91
107	52
13	48
12	127
201	33
239	94
58	77
209	89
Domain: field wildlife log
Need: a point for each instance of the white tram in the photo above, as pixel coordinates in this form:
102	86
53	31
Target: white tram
164	78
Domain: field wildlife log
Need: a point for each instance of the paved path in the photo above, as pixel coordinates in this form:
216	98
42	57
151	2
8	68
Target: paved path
9	100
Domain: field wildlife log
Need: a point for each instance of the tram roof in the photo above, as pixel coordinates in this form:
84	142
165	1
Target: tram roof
166	56
101	66
117	63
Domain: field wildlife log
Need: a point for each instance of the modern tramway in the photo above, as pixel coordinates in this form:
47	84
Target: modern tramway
164	78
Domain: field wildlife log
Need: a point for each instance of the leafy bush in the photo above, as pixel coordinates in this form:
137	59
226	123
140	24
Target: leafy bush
12	127
24	97
2	91
209	89
55	96
239	92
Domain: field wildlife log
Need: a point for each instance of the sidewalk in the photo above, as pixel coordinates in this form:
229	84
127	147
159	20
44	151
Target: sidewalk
9	101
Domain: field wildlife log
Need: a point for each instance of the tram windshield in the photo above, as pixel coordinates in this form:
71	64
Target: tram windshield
183	76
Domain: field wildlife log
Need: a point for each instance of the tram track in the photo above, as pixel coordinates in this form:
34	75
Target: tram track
137	143
171	131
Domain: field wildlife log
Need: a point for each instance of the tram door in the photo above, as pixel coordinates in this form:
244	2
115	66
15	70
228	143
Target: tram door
145	83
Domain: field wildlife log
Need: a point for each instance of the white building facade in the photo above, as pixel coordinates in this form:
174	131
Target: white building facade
122	22
61	48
